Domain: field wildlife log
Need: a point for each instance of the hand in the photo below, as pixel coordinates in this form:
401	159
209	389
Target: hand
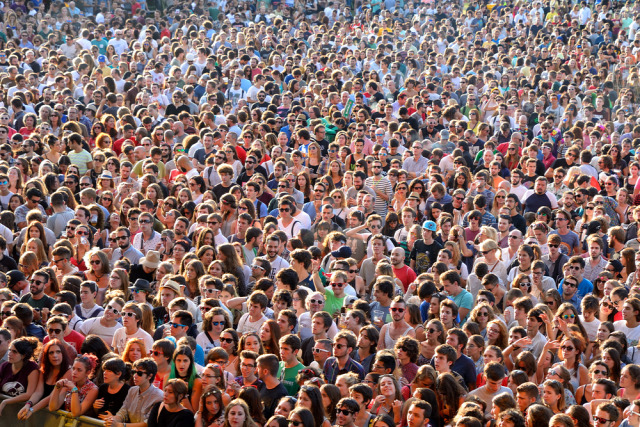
378	323
397	405
98	403
522	342
552	344
315	265
412	288
544	318
379	400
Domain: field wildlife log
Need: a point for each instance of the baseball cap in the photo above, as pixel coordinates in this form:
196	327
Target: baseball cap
102	58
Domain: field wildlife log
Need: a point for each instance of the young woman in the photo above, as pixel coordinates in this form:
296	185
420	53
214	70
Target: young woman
553	396
630	382
474	349
170	412
270	336
78	394
19	372
214	375
310	398
237	415
112	393
211	412
597	370
389	399
435	337
184	368
450	396
55	366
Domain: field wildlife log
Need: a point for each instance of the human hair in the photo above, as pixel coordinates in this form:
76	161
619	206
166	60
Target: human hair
217	394
118	366
251	396
46	367
449	391
557	387
269	362
611	409
530	389
191	373
504	401
333	393
514	416
315	396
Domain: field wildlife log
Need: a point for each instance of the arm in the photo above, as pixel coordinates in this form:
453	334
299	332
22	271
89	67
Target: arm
317	281
57	395
355	232
32	384
197	392
236	303
78	408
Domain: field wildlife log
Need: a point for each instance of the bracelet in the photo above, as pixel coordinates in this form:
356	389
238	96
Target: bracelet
28	402
74	390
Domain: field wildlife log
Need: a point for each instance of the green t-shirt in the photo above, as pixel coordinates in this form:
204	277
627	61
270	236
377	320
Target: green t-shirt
288	377
332	303
102	45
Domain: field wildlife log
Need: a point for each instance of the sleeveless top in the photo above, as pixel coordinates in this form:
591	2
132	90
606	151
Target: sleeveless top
390	342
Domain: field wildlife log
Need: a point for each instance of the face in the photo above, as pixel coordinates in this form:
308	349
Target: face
236	416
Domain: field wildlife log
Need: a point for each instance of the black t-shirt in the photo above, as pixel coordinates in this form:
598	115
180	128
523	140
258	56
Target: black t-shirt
164	418
220	190
424	255
271	397
536	201
137	272
112	402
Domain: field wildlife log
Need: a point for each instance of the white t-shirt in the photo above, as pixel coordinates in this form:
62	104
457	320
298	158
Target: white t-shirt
93	326
632	334
120	339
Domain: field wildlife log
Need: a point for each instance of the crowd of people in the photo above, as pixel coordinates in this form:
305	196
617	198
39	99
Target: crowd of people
362	214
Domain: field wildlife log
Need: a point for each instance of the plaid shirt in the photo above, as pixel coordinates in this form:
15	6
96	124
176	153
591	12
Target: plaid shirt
332	370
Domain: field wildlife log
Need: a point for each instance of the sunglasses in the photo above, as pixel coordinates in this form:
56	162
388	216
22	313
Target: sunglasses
55	331
343	411
227	340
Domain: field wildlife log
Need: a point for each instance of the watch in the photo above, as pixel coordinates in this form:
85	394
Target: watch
74	390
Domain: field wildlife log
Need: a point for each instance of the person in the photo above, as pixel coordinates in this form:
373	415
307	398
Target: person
268	366
78	394
114	390
494	373
391	332
170	412
132	320
341	362
289	366
19	374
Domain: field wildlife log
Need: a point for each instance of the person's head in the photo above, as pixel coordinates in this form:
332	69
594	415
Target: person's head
606	415
418	413
526	395
494	372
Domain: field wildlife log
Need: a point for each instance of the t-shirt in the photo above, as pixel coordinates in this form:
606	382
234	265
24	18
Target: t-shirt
15	384
271	397
424	255
93	326
464	300
632	334
569	241
246	325
112	402
287	377
80	159
45	302
120	339
483	394
74	338
332	303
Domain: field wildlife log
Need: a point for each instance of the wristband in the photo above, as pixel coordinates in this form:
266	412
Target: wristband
28	402
74	390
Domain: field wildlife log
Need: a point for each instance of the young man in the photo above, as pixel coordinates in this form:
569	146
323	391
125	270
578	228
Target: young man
451	281
577	268
37	299
290	366
390	333
162	354
363	394
180	324
494	372
131	320
273	390
526	395
346	411
334	296
383	291
425	250
320	324
401	270
341	362
248	370
419	413
106	325
57	328
125	249
253	320
88	292
148	239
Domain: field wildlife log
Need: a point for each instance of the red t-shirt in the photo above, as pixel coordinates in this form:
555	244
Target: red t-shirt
406	275
75	338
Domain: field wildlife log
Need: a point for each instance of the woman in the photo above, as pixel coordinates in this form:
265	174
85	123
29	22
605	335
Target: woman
211	412
170	412
330	397
214	322
302	417
553	396
233	265
474	349
450	395
194	270
400	197
526	257
134	350
560	373
55	364
119	281
497	334
571	350
389	399
78	394
114	389
99	271
19	374
492	256
270	335
214	375
482	314
237	415
184	368
310	397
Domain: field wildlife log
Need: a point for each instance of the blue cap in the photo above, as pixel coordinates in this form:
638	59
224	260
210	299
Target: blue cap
430	225
102	58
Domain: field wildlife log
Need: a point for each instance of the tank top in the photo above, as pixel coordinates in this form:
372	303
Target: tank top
390	342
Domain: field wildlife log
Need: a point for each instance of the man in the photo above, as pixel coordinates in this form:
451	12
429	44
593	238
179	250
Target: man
57	328
390	333
33	199
320	323
125	249
140	398
37	299
243	223
576	268
570	239
402	271
131	320
419	413
252	320
322	350
463	365
277	262
633	419
301	263
290	365
479	187
346	411
88	308
539	196
517	188
383	291
606	415
363	395
61	213
538	340
425	250
382	187
253	239
148	239
526	395
106	325
248	370
287	319
78	155
595	262
181	323
451	282
513	203
569	291
273	390
359	179
416	165
334	296
341	362
495	373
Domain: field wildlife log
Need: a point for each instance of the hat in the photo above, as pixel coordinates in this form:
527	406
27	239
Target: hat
343	252
91	107
348	300
592	227
429	225
444	135
102	58
171	284
301	117
13	277
191	57
141	285
414	196
106	175
617	265
152	260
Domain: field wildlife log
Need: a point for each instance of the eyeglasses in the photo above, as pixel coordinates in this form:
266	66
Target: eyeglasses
227	340
295	423
568	316
567	348
338	346
316	301
343	411
55	331
115	311
599	372
397	310
145	221
339	285
177	325
571	285
600	420
140	373
128	314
